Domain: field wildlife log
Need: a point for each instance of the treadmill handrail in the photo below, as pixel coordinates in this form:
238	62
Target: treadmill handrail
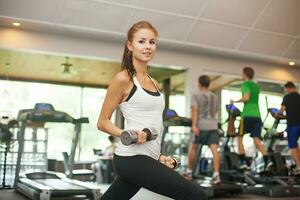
81	120
34	116
31	115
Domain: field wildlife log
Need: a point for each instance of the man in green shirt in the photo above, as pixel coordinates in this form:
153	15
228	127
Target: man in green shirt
251	120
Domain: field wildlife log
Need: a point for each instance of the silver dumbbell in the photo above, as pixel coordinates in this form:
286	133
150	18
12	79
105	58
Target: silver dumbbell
130	136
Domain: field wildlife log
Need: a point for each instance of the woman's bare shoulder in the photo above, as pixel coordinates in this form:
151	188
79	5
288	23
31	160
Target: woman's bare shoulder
122	78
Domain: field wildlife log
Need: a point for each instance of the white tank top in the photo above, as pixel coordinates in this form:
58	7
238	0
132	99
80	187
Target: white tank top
140	111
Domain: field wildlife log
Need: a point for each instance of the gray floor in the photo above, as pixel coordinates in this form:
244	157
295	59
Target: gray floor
141	195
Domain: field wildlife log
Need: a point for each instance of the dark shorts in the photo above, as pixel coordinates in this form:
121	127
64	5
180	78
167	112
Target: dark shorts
293	136
250	125
206	137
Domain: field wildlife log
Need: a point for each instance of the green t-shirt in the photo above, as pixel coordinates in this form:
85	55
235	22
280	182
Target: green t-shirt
251	107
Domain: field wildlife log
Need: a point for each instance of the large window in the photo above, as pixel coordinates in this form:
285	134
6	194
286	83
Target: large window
177	103
76	101
265	100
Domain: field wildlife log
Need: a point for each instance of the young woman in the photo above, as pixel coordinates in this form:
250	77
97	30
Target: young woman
137	95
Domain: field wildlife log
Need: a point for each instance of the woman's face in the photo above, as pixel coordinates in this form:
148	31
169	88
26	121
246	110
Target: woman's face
143	45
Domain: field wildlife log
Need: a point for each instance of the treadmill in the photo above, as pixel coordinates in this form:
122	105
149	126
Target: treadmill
278	184
224	188
50	185
272	185
171	118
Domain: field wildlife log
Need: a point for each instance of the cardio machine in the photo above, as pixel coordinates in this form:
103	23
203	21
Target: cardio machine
47	185
171	118
273	185
224	188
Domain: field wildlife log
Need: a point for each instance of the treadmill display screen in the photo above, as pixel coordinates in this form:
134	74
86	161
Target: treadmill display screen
43	107
274	110
231	107
232	110
170	113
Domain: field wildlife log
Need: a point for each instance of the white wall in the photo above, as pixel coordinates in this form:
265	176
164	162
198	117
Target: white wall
91	47
198	64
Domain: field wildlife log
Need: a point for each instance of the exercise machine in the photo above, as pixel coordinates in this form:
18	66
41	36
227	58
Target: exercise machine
47	185
176	142
273	184
171	118
225	188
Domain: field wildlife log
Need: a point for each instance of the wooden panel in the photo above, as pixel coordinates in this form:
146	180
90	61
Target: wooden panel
28	66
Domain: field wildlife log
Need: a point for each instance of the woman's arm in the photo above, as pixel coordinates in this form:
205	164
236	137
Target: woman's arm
115	94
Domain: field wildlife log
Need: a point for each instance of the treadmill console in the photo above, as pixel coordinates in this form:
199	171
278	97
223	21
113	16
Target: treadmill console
45	112
43	107
274	112
233	110
171	118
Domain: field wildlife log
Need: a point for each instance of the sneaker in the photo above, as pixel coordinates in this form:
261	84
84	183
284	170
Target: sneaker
297	173
269	166
216	179
243	165
188	175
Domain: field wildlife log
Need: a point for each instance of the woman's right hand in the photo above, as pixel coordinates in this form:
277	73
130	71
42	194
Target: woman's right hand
141	137
167	160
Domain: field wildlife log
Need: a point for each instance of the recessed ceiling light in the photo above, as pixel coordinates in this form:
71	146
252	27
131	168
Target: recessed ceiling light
16	24
292	63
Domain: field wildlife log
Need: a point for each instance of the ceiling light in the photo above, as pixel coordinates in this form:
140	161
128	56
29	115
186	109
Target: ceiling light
67	66
292	63
66	70
16	24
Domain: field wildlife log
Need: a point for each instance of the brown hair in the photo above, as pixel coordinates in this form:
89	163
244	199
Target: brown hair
249	72
204	80
127	54
289	84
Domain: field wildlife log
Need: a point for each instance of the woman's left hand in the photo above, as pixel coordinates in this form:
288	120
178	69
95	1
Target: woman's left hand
167	160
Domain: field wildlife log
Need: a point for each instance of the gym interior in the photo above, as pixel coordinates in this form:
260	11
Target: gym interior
57	59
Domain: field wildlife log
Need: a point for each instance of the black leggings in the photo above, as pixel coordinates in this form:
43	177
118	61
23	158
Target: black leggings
139	171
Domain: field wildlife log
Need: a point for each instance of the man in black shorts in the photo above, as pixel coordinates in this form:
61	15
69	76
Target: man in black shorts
291	105
205	126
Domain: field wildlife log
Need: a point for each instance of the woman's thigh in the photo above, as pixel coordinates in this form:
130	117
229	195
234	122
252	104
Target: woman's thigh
120	189
148	173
